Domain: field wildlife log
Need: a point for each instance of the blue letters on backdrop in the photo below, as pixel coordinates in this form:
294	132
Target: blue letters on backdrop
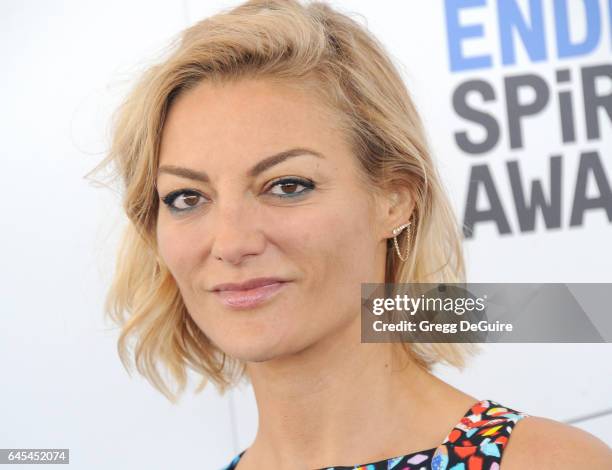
456	33
565	48
528	28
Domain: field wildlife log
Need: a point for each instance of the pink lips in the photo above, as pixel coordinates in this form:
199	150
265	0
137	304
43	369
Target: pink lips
247	298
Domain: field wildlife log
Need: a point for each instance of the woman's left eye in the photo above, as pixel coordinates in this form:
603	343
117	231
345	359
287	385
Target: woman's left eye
288	187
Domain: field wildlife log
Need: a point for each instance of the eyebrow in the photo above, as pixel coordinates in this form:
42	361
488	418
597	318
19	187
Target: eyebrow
259	167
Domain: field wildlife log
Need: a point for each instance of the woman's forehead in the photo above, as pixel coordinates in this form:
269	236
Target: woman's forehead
252	117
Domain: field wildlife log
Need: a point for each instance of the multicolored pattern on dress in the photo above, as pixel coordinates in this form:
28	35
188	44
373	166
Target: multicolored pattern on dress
477	442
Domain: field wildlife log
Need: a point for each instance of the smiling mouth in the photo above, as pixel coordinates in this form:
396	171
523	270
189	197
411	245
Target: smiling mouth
249	298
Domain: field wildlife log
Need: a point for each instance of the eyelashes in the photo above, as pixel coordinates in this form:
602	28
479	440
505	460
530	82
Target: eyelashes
182	195
187	199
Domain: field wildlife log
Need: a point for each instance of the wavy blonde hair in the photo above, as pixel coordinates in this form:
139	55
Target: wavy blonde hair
308	45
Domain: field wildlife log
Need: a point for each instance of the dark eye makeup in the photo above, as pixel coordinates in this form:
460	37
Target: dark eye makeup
189	197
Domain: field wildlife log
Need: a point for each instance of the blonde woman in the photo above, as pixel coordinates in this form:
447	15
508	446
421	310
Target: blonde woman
269	165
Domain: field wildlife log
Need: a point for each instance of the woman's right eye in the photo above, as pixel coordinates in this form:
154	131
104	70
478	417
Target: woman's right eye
182	200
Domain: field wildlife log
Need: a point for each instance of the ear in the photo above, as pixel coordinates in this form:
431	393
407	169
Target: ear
395	207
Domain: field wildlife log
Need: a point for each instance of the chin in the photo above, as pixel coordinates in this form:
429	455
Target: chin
261	349
251	348
252	354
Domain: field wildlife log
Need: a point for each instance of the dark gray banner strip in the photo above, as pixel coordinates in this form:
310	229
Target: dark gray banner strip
486	313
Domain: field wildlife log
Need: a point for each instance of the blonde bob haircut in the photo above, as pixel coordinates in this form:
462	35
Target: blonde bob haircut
316	48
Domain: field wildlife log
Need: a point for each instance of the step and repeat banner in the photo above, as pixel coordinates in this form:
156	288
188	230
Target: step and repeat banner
532	82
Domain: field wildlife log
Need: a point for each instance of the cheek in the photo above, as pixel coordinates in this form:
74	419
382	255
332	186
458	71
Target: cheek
334	243
175	248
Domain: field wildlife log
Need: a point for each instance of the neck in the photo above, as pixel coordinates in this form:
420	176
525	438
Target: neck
343	402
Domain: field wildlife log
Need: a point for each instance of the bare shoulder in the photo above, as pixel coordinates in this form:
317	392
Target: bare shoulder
541	443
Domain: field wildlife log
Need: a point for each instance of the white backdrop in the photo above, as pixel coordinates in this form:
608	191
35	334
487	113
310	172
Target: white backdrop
66	65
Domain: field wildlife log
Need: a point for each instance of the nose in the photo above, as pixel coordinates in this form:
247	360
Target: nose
236	232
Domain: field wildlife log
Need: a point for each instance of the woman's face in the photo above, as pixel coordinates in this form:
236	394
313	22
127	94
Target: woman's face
308	220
